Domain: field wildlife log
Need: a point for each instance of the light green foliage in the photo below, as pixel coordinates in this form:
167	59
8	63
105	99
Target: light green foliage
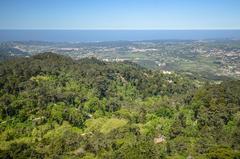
57	112
54	107
104	125
40	78
92	105
112	124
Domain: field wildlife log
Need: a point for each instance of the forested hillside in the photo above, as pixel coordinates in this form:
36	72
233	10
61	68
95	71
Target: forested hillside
54	107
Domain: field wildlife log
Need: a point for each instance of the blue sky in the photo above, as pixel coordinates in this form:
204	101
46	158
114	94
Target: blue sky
119	14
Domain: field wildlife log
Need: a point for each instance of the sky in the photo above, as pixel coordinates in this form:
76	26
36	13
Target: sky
120	14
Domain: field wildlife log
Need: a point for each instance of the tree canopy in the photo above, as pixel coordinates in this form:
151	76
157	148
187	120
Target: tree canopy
54	107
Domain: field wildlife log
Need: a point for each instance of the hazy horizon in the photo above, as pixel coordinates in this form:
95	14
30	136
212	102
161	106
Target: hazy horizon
114	35
128	20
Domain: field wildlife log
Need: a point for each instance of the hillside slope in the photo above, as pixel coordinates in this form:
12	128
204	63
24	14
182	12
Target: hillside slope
54	107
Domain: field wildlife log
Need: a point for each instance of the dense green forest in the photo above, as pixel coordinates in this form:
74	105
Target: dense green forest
54	107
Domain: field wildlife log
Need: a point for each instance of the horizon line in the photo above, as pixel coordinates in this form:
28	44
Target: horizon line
120	29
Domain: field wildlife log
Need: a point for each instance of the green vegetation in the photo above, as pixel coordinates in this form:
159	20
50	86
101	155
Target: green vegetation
54	107
207	59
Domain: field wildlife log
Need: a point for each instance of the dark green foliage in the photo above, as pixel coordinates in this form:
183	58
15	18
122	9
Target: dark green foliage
54	107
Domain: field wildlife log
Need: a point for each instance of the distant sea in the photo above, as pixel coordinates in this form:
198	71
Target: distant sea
114	35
